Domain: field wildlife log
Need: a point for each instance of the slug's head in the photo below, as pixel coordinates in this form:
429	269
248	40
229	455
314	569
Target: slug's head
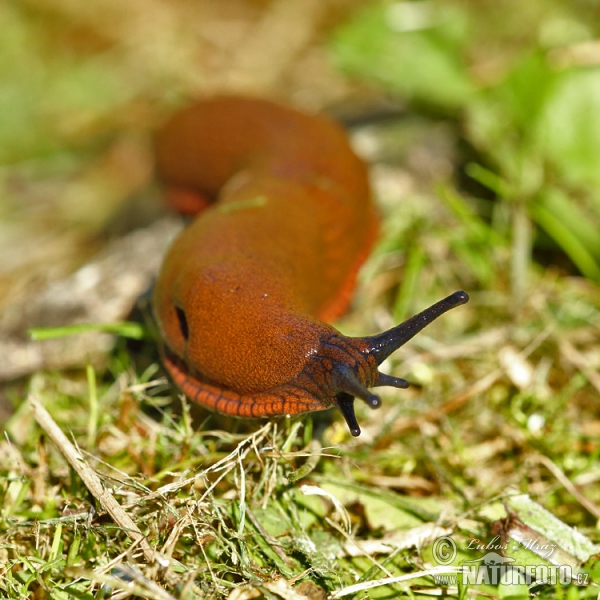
344	368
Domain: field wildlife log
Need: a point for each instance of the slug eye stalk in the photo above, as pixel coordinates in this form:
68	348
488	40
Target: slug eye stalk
380	347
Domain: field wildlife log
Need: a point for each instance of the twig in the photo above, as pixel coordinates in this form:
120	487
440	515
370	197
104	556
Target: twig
90	478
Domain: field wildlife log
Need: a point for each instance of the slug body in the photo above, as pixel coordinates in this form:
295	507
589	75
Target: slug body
244	293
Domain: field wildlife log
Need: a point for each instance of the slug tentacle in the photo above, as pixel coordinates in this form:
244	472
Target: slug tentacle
382	345
350	384
350	374
345	402
384	380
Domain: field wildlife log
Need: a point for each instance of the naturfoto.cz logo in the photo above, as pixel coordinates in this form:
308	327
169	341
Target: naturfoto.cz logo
494	568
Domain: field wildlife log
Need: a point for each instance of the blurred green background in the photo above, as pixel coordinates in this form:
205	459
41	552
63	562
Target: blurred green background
522	83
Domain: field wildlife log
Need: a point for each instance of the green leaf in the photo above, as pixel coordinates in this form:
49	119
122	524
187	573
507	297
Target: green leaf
383	509
378	44
568	131
525	90
535	538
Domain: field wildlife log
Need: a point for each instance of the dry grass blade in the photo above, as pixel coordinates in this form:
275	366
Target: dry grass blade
91	479
569	486
369	585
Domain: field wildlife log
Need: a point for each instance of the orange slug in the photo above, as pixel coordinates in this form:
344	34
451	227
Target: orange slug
243	295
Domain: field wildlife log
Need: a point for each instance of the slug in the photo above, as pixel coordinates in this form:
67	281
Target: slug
245	293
